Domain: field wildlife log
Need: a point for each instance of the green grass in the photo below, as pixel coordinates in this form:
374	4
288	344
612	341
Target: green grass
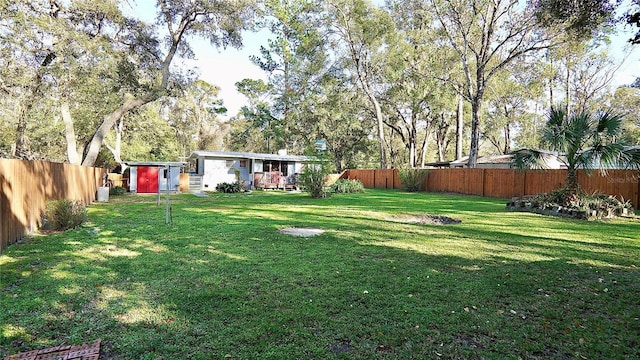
223	282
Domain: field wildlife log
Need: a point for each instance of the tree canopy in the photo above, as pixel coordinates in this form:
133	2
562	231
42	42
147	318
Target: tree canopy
392	85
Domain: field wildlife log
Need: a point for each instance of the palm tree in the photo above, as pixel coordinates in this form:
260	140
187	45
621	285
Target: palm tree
581	141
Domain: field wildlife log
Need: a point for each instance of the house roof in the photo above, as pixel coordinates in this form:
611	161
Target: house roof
246	155
491	159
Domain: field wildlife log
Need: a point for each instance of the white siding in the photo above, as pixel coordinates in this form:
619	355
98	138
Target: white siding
133	179
174	181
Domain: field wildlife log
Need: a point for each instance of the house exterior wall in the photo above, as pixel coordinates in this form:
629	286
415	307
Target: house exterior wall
218	168
133	179
216	171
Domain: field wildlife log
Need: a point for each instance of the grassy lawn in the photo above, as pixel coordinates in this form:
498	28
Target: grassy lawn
224	283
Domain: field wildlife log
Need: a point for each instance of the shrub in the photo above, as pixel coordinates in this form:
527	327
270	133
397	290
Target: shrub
313	178
344	186
117	190
229	188
412	179
603	206
590	207
63	215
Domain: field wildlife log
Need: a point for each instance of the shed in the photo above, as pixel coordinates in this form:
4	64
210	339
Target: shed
256	170
153	177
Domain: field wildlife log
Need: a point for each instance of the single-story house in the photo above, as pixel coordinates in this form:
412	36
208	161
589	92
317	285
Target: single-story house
256	171
499	161
151	177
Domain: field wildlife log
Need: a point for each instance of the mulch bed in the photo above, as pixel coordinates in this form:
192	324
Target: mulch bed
86	351
424	219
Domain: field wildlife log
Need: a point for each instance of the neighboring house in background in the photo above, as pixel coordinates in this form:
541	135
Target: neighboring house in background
256	171
485	162
498	162
151	177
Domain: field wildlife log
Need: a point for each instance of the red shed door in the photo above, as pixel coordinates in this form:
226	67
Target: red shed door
147	180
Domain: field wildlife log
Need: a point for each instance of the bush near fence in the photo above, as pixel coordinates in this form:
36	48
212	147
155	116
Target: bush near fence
26	186
507	183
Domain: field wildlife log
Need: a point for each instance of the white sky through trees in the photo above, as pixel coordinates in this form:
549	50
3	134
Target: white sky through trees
225	67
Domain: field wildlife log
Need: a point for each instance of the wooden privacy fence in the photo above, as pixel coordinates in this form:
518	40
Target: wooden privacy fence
507	183
26	186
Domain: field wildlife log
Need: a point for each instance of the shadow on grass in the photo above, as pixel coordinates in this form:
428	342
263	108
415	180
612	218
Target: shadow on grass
222	281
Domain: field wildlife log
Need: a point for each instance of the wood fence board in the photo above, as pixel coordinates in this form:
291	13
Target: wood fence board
499	183
26	186
506	183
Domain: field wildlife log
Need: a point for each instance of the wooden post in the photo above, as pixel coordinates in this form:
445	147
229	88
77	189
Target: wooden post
374	180
638	191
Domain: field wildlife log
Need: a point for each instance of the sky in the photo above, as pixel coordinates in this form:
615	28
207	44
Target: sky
225	67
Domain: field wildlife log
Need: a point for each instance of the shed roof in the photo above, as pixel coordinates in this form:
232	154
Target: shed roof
155	163
246	155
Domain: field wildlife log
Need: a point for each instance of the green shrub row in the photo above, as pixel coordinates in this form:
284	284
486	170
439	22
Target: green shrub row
117	190
229	188
345	186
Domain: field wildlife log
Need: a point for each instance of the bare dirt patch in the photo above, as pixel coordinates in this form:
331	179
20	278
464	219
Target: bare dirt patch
302	232
424	219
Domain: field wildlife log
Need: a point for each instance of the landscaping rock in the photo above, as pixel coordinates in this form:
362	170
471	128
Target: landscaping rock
302	232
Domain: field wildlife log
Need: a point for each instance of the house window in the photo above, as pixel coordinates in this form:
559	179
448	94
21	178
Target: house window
276	166
243	163
229	163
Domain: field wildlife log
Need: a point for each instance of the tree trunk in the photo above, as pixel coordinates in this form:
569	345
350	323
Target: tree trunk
22	148
23	144
476	105
424	149
550	95
507	139
381	140
568	91
572	186
96	141
413	139
287	91
459	127
116	149
440	151
69	134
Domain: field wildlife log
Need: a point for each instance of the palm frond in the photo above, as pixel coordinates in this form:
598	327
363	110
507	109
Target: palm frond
609	124
610	156
632	157
554	134
579	131
531	159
